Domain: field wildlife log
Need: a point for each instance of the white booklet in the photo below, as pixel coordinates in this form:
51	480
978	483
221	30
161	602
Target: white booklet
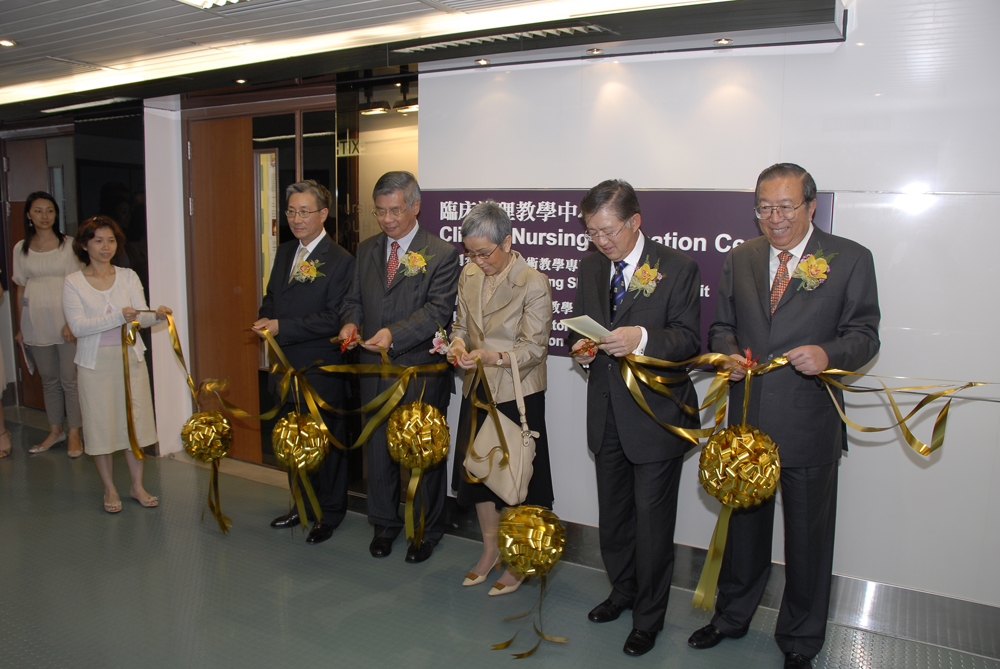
586	326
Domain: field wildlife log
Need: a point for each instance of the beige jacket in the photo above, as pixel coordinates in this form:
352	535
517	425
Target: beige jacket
517	320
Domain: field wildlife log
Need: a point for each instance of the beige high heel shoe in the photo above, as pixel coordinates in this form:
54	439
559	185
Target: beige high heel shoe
501	589
472	578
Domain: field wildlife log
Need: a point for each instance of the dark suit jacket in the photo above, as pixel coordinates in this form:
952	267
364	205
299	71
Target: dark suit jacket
841	315
671	316
308	313
411	308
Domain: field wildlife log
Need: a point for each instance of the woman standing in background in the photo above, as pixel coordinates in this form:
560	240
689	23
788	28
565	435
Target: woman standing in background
41	263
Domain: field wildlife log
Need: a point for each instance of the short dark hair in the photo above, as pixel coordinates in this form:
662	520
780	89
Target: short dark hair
390	182
87	231
323	198
29	227
783	171
616	194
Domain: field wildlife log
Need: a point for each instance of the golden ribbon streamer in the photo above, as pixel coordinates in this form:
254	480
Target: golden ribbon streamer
129	331
490	406
704	593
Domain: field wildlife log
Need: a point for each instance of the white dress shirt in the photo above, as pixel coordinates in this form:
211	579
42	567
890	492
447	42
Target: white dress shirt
632	261
310	247
795	259
404	243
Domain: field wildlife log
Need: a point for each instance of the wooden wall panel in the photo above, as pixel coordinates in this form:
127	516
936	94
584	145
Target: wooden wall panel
223	268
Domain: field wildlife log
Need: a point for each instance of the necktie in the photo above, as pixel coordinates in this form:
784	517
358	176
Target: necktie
300	258
617	287
393	264
781	279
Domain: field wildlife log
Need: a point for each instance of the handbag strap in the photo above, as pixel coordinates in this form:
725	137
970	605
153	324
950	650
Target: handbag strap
519	396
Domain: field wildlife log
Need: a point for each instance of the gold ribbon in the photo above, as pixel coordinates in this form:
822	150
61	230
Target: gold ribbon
129	331
490	407
704	594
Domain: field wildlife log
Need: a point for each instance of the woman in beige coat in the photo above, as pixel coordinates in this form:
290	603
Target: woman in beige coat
504	309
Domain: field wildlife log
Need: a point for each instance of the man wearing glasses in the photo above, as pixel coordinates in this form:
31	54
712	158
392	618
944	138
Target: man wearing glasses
404	285
308	283
769	302
647	295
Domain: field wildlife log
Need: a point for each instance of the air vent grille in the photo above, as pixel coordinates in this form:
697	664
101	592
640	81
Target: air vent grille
540	34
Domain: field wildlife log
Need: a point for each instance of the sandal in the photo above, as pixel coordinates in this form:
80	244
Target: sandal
35	450
112	507
6	452
149	502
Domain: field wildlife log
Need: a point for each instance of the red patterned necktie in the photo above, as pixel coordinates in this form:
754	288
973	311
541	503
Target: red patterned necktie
781	279
393	264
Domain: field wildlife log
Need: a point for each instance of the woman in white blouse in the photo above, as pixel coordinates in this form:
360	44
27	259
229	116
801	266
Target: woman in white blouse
98	300
41	263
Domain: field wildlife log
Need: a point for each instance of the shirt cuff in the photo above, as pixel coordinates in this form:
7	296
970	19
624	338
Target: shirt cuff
641	348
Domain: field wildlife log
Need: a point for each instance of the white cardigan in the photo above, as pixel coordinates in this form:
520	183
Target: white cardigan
86	310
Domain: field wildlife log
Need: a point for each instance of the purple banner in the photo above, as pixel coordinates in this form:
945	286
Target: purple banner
549	233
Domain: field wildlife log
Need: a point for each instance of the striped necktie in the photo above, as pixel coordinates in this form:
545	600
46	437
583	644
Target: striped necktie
617	287
781	279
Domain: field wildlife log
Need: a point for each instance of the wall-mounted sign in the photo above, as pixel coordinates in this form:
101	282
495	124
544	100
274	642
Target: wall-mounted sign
549	233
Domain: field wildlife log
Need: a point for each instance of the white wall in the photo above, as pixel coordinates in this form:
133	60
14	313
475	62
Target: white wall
388	143
167	264
909	99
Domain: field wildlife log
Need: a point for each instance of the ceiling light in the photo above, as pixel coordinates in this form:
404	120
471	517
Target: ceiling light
406	106
595	51
241	81
7	42
398	84
723	41
372	108
861	43
85	105
206	4
482	61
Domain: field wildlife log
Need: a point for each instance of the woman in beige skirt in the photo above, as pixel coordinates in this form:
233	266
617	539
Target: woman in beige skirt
98	300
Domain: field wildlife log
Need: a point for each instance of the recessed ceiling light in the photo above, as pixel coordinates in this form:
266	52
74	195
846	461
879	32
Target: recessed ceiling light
398	84
241	81
595	51
206	4
7	42
482	61
878	95
723	41
861	43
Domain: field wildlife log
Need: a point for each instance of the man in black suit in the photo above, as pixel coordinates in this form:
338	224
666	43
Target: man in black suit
818	325
638	461
404	285
309	279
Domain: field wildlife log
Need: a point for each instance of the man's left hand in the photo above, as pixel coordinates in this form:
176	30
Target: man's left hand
382	338
810	360
270	323
622	341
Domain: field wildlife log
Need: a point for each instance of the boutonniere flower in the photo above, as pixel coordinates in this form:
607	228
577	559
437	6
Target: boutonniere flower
645	278
440	341
308	271
813	270
414	262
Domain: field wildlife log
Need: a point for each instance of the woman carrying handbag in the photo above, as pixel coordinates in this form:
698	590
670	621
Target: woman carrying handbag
504	312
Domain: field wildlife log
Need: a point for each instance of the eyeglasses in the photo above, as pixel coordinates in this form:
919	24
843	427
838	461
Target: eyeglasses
395	212
302	213
599	234
786	211
481	256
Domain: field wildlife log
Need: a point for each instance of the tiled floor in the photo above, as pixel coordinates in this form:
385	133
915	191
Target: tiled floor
162	587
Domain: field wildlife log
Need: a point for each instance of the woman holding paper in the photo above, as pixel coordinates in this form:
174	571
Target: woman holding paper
504	309
98	300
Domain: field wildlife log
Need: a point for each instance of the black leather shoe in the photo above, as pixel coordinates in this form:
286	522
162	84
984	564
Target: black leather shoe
380	547
797	661
415	554
319	533
290	519
605	612
639	643
708	636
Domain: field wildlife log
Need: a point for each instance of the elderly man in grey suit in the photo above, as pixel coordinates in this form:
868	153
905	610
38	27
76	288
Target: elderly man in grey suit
762	305
638	461
405	281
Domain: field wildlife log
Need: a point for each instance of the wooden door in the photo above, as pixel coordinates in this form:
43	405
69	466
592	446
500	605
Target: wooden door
222	268
28	172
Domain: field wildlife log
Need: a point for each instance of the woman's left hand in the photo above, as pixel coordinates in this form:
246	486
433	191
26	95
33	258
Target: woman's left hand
161	313
67	335
468	360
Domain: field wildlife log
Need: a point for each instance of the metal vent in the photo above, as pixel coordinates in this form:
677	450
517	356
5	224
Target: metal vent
79	66
479	5
540	34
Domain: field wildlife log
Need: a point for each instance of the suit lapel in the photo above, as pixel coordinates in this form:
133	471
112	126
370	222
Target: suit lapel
419	242
378	257
474	297
761	276
791	291
603	280
631	296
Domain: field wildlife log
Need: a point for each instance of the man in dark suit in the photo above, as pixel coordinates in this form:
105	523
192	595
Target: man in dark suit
404	285
638	461
309	279
817	325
